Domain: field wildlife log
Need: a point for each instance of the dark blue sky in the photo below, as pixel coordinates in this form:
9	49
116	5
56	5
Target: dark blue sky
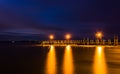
34	19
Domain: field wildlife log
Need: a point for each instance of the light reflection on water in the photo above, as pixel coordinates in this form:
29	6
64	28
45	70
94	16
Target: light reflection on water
32	60
68	67
51	61
99	65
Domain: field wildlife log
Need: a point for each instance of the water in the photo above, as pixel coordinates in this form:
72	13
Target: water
30	59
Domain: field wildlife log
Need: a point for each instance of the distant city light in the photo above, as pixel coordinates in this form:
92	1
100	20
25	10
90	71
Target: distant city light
51	37
99	35
67	36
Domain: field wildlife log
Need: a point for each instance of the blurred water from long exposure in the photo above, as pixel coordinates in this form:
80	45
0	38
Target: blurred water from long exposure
68	67
51	61
99	65
60	60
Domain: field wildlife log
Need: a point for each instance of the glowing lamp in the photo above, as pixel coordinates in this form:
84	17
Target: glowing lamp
99	35
67	36
51	37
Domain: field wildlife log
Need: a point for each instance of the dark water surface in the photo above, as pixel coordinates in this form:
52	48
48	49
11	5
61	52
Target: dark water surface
23	59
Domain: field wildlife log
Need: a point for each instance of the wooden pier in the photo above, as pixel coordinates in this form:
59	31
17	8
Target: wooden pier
80	42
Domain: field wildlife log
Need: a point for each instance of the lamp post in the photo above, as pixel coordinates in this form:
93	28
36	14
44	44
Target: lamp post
51	37
68	36
99	36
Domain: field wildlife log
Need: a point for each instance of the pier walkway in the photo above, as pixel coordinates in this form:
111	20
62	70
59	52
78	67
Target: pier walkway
79	43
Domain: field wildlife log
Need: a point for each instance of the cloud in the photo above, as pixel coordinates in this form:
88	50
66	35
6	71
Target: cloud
44	16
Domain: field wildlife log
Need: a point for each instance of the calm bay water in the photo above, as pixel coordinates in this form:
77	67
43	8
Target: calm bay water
59	60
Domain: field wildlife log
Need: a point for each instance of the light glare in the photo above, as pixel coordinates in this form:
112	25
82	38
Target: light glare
68	67
51	61
99	35
99	66
51	37
68	36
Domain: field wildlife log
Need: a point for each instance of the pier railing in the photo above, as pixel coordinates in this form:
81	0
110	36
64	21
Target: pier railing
80	42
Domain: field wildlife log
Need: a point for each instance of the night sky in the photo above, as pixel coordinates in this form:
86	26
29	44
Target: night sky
35	19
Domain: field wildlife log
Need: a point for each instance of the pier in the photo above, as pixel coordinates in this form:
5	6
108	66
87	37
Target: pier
83	42
80	42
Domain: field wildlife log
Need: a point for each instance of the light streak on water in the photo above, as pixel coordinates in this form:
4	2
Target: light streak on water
68	67
99	66
51	61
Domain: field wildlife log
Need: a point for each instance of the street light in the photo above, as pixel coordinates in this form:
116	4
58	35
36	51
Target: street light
99	35
67	36
51	37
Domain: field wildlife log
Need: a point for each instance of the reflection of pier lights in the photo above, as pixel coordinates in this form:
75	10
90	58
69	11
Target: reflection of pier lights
51	61
99	65
68	67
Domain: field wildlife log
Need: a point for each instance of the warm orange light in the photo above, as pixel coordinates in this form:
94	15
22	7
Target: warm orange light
68	67
51	61
51	37
67	36
68	47
99	50
99	35
99	66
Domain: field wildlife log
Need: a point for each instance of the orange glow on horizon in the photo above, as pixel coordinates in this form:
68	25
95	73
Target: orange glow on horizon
99	66
68	67
51	61
67	36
